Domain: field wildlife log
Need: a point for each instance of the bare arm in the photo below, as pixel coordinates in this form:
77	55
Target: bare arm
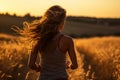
72	54
33	57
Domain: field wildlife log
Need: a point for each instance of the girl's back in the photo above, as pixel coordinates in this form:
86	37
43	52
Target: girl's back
53	63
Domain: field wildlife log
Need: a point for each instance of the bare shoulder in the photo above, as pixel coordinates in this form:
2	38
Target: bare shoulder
67	39
66	42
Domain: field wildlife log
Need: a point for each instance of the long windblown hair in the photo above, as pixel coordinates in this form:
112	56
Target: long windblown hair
46	28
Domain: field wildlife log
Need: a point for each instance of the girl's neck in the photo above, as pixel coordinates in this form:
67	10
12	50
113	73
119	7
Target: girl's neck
56	36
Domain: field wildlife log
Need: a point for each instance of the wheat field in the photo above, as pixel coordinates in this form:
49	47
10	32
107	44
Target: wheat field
98	59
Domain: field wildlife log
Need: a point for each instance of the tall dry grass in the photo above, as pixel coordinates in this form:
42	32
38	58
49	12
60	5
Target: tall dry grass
98	59
13	58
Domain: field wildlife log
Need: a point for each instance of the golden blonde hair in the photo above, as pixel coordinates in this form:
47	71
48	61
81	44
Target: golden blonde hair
46	28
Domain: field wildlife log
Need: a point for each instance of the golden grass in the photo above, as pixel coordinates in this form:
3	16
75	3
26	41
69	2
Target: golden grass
98	59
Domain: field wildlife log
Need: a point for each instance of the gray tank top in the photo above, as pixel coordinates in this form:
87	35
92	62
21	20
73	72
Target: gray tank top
53	64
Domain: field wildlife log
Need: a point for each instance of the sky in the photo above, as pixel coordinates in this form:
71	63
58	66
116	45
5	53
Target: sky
89	8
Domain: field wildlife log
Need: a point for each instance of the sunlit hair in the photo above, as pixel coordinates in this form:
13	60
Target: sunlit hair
46	28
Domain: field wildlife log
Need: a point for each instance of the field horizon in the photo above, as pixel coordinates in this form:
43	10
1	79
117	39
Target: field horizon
75	26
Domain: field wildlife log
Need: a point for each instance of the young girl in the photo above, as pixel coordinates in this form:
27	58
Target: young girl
52	46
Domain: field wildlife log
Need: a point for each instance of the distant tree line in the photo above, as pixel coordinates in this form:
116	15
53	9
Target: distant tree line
90	20
27	16
93	20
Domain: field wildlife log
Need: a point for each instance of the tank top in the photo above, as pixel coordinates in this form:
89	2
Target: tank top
53	64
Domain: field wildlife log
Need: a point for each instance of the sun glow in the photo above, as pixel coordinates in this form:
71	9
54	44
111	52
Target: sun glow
94	8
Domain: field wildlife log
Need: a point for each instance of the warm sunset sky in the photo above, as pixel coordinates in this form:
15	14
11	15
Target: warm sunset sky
94	8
